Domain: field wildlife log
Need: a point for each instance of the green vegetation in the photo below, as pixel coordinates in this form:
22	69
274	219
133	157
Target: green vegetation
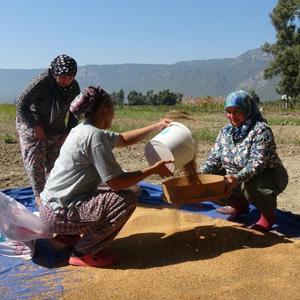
164	97
291	121
7	112
147	113
286	50
8	139
208	116
204	107
206	135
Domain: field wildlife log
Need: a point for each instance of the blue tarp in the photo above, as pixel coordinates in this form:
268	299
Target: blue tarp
43	279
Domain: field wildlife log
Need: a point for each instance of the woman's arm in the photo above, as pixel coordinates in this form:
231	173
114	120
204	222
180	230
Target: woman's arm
132	137
262	148
30	95
127	179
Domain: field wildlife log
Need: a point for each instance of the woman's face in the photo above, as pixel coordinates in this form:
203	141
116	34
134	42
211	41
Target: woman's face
64	80
235	115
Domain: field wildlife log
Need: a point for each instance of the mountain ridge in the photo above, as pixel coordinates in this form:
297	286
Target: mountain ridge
214	77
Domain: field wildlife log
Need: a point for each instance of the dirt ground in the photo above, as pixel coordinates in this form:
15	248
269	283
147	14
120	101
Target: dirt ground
12	173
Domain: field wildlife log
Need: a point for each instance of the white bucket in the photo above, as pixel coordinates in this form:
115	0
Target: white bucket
173	143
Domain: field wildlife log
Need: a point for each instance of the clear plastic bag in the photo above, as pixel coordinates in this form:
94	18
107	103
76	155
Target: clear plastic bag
18	223
19	228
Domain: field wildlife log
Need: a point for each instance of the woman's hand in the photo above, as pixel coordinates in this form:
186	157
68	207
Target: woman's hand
127	179
39	133
161	169
136	135
231	182
163	123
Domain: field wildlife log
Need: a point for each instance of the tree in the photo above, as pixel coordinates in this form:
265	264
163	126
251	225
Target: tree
118	97
135	98
151	98
167	98
121	97
286	50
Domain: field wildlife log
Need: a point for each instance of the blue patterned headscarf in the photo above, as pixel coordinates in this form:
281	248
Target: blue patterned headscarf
247	104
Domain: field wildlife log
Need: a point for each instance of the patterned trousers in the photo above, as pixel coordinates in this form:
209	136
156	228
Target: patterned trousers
38	155
261	190
99	219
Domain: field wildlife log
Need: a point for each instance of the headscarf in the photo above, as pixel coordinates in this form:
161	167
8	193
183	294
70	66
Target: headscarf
247	104
63	65
88	100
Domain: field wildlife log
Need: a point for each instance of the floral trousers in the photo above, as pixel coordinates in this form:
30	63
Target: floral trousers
98	219
38	155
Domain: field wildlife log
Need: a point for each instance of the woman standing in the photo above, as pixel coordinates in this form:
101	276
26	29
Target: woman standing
41	112
245	149
72	201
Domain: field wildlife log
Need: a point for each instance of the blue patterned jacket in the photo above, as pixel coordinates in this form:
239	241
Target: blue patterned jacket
245	158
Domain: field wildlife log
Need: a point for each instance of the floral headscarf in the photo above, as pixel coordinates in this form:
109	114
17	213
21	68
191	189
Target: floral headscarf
88	100
63	65
244	101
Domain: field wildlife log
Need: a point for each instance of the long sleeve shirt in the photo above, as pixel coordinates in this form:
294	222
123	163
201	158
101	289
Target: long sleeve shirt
246	158
46	104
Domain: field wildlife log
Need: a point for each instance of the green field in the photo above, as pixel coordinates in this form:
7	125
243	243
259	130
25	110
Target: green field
205	120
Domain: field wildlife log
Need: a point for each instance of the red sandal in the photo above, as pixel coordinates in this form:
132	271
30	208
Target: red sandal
97	260
265	222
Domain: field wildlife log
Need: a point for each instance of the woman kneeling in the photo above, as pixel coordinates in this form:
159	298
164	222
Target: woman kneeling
72	201
246	151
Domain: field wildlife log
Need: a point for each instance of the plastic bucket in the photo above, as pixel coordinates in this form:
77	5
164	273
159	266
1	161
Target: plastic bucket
173	143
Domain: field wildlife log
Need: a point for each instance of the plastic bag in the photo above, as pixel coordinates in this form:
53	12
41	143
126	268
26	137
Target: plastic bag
18	223
18	249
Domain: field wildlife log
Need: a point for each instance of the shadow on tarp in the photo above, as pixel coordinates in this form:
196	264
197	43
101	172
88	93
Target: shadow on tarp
200	243
287	223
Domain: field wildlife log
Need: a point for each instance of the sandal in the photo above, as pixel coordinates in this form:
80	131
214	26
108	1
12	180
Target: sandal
265	222
96	260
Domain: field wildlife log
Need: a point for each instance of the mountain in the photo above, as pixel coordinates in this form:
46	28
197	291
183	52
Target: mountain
214	77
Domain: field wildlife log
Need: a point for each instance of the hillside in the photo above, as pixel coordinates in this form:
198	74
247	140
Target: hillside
215	77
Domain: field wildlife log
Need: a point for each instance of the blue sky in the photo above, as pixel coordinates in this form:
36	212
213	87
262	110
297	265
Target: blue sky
33	32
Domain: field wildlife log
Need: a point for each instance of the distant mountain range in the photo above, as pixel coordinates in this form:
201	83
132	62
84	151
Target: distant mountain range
214	77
